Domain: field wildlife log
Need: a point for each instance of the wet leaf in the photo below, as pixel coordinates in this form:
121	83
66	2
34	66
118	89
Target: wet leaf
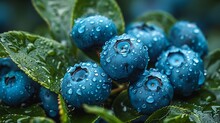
3	53
107	115
202	103
33	110
108	8
57	14
18	118
44	60
160	18
213	70
64	118
123	109
173	114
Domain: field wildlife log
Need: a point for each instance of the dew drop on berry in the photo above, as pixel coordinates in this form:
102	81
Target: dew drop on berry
81	29
144	106
98	28
108	60
150	99
78	91
70	91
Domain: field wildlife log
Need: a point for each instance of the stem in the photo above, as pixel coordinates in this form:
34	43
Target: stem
118	90
118	85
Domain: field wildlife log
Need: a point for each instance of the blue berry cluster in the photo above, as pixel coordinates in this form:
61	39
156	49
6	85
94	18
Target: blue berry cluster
17	88
176	65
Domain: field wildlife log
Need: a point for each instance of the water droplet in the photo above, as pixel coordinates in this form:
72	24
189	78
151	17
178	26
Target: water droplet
95	65
108	60
150	99
196	60
98	28
83	87
70	91
144	106
78	91
81	29
30	47
196	31
94	79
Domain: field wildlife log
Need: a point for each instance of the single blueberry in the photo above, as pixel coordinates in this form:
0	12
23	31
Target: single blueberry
152	36
16	88
186	33
49	101
184	68
85	83
92	32
124	58
152	91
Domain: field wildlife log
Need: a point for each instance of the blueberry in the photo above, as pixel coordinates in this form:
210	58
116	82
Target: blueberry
85	83
92	32
184	68
7	65
184	32
16	87
151	92
124	58
49	100
152	36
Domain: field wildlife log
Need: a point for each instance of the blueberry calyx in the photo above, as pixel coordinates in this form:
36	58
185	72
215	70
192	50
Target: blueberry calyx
123	46
153	83
79	74
145	27
10	80
176	58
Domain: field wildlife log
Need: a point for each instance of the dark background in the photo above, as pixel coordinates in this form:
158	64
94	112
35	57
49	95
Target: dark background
20	14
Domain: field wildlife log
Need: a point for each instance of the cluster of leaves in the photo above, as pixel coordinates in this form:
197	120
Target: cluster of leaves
45	60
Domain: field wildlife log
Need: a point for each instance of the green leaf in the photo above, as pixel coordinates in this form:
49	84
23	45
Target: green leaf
213	70
160	18
123	109
172	114
107	115
33	110
108	8
203	104
18	118
2	52
64	118
203	99
44	60
76	115
57	14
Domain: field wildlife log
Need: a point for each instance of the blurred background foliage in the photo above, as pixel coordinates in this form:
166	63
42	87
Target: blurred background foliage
20	15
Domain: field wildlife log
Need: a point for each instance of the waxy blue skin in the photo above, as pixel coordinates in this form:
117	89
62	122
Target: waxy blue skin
184	68
85	83
92	32
16	88
152	91
7	65
49	101
152	36
124	58
186	33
